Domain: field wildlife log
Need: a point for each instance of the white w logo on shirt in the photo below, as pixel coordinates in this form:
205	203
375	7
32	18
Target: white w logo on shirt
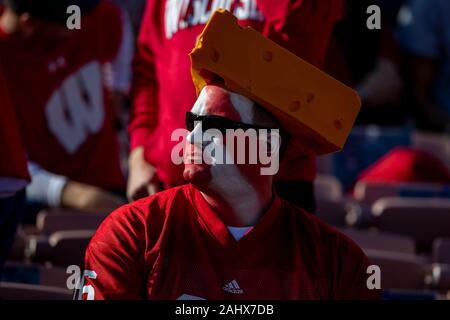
177	17
76	109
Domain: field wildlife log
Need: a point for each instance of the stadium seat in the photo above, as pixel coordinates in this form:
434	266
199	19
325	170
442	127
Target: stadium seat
332	212
441	250
368	193
359	215
396	294
440	276
18	249
324	164
20	291
37	274
53	276
38	249
399	270
327	187
421	218
436	144
376	240
49	221
62	248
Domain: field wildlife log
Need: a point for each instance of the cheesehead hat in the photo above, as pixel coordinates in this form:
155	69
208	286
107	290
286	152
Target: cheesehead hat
317	110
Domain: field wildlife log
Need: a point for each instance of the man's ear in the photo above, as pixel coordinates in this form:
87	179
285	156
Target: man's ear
284	142
273	140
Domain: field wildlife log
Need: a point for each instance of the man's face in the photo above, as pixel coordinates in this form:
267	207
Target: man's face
222	166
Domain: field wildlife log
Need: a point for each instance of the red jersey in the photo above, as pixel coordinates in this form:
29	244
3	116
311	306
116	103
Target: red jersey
12	161
172	245
59	93
162	91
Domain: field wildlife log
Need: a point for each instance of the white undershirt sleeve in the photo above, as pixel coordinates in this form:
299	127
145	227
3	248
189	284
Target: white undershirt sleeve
45	187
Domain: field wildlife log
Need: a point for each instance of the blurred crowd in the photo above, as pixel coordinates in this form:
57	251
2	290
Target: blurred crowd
86	114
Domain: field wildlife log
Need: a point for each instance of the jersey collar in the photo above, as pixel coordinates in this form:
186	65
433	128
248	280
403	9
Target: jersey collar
215	226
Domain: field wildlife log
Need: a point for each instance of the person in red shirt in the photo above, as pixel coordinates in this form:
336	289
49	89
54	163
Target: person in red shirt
162	90
226	234
13	174
59	81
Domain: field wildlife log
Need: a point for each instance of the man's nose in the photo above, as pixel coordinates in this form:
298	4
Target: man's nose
196	135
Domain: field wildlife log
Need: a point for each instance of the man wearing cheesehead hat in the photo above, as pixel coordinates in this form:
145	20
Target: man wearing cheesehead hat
226	234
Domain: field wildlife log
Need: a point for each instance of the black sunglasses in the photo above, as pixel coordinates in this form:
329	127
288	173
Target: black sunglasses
217	122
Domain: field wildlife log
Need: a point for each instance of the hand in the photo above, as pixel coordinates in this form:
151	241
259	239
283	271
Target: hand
142	179
88	198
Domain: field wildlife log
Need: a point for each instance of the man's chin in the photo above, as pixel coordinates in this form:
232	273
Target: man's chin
198	175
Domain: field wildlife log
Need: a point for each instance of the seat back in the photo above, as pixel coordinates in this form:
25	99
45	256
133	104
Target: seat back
440	277
385	241
421	218
441	250
37	274
370	192
62	248
332	212
69	247
399	270
436	144
327	187
20	291
50	221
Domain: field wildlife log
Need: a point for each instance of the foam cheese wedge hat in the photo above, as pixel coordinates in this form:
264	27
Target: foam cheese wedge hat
317	110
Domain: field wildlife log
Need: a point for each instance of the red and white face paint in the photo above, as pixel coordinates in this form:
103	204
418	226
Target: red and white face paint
206	170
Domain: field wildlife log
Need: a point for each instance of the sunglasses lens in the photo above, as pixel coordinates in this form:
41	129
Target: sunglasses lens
190	119
208	122
212	122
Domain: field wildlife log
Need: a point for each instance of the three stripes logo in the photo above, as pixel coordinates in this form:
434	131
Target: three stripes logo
233	287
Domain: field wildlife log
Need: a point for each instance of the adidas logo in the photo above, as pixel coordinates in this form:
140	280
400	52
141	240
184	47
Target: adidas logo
233	287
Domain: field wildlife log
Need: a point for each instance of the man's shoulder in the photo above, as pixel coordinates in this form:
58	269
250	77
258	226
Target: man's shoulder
145	216
163	198
340	265
324	236
155	205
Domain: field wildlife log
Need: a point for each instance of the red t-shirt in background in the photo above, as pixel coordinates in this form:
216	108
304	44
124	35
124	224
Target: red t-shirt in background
58	91
162	89
172	245
13	163
403	164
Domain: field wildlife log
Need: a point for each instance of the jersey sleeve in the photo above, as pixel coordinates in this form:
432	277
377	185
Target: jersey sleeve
114	260
144	90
